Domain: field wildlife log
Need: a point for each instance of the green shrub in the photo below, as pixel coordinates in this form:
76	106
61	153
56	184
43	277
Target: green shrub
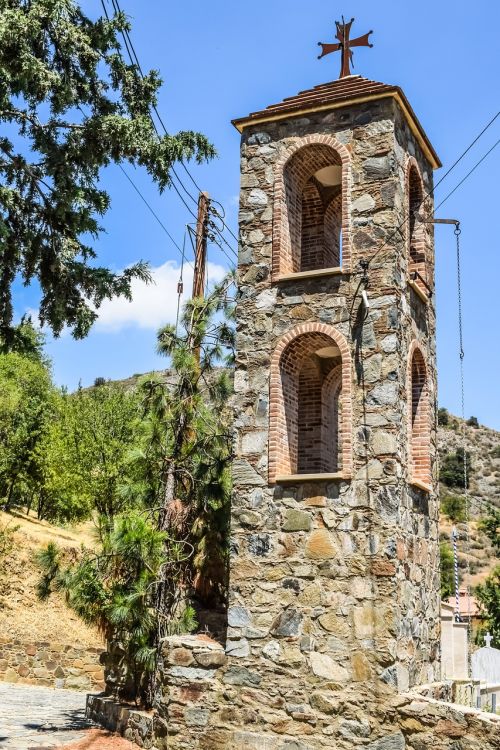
472	422
453	506
452	469
447	575
443	417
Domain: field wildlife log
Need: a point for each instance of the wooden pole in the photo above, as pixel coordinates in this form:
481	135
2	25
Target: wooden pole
200	256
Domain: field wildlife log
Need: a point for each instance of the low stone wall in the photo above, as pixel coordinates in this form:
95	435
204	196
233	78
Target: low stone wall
51	664
427	723
134	725
197	709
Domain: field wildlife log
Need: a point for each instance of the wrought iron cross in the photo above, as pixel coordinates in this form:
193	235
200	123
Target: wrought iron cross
345	44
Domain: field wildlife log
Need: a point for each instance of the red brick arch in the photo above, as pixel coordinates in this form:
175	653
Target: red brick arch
283	224
292	349
416	244
419	416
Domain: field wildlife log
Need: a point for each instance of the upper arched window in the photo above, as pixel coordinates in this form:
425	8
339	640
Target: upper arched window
309	211
310	404
417	261
419	416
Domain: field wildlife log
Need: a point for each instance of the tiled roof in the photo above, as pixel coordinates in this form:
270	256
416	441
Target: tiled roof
464	604
335	94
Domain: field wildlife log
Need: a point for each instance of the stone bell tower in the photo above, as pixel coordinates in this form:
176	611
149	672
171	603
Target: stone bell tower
334	581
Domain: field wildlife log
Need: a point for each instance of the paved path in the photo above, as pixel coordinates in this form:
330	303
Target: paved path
32	718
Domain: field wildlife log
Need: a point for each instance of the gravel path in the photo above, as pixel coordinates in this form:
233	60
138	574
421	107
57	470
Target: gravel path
32	718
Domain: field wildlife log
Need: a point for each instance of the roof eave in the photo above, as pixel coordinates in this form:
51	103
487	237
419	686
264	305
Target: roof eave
243	122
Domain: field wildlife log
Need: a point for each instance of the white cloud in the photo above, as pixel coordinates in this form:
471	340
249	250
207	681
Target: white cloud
152	304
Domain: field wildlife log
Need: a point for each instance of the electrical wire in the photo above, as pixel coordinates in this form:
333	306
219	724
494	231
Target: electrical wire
468	174
154	214
430	193
134	59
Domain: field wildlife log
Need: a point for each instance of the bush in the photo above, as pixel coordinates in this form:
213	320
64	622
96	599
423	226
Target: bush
447	574
472	422
452	469
495	453
453	506
99	381
443	417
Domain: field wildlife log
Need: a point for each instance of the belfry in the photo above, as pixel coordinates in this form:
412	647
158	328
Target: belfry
334	582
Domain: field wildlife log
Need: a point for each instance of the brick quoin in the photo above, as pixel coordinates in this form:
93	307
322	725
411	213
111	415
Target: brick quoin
419	428
310	404
311	222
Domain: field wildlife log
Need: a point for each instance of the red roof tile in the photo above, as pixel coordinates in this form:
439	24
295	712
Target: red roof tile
335	94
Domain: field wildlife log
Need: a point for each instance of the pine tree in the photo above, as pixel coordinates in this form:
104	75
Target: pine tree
182	469
70	106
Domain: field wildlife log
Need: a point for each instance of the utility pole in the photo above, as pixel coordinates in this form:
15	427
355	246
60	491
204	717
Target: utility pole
200	256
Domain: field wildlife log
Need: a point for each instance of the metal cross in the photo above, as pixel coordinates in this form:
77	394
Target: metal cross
345	44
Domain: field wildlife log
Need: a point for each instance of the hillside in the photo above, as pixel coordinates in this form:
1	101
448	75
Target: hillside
22	615
483	444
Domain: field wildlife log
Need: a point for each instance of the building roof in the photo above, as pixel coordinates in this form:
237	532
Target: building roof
464	607
336	94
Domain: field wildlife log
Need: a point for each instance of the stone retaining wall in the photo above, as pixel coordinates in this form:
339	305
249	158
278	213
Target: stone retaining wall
197	708
44	663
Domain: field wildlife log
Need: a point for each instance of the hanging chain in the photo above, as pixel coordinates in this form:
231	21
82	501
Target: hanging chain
464	448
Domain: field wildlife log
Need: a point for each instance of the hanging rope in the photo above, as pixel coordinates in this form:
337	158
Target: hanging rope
464	446
180	283
454	537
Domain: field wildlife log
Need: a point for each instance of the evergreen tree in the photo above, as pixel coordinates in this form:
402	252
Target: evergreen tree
69	106
112	589
488	595
182	469
27	407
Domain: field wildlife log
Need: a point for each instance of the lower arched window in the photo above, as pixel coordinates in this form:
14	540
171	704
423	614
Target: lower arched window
310	404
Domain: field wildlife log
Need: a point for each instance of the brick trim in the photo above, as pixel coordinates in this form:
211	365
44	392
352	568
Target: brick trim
277	418
281	230
418	416
416	234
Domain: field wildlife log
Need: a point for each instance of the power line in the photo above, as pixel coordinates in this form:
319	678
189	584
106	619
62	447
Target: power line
154	214
466	151
431	192
134	59
468	173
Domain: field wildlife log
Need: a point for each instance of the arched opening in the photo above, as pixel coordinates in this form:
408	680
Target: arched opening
416	230
420	438
313	210
307	409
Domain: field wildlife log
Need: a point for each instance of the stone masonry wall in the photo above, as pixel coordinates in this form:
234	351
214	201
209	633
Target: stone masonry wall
196	710
334	584
42	663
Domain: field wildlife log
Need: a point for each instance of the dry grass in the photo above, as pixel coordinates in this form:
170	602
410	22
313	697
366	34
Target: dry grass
22	615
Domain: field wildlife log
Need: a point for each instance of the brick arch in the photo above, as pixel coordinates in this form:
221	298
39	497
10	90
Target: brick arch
419	416
283	225
416	245
286	362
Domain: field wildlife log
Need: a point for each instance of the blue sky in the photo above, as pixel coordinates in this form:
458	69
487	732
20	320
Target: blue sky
225	59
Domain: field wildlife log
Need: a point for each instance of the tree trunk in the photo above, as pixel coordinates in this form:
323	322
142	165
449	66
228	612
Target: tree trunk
10	493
